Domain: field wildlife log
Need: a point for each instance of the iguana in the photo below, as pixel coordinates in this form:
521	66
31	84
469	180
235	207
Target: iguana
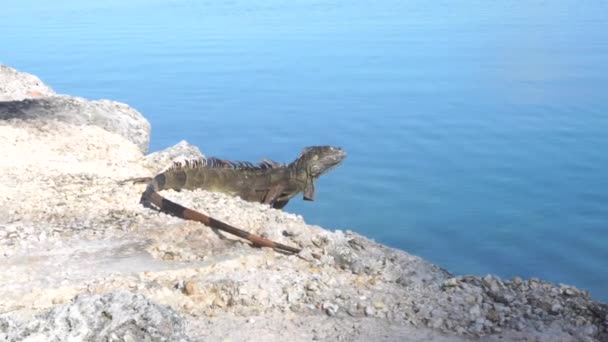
267	182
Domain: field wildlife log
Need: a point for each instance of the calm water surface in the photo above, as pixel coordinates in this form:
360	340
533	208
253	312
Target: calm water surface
477	132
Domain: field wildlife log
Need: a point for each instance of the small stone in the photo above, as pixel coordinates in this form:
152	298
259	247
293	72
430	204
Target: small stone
189	288
452	282
290	233
507	298
319	241
292	296
590	330
379	305
352	311
357	267
556	308
404	281
306	254
437	323
330	308
369	311
568	290
470	299
312	287
188	306
475	311
476	328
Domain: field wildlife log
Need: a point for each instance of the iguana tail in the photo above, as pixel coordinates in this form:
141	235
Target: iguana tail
165	205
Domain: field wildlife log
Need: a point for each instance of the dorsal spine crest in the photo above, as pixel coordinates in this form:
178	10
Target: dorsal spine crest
216	163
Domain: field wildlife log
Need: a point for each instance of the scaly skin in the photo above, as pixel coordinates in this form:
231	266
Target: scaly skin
267	182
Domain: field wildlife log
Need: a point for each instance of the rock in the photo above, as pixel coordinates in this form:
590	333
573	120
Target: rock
451	282
178	152
330	308
190	288
379	305
100	318
556	308
568	290
112	116
475	311
16	85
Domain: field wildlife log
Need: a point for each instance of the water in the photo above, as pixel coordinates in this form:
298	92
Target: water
477	132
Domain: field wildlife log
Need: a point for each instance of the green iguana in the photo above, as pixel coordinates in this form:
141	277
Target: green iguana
267	182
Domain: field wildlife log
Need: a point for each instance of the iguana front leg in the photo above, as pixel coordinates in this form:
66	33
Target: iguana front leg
273	194
280	204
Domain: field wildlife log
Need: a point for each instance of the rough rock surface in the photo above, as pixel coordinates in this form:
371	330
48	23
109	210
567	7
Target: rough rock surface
181	151
80	254
110	115
115	316
25	97
15	85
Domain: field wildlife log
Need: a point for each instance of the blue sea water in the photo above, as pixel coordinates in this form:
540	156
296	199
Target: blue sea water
477	131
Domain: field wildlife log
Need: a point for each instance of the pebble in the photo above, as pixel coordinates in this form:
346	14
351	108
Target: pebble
190	288
452	282
312	287
590	330
293	296
470	299
330	308
436	323
567	290
352	311
475	311
357	267
379	305
556	308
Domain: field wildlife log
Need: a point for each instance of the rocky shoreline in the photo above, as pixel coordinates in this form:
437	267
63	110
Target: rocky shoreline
82	260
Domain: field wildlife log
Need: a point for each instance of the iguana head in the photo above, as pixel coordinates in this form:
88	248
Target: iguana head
315	161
